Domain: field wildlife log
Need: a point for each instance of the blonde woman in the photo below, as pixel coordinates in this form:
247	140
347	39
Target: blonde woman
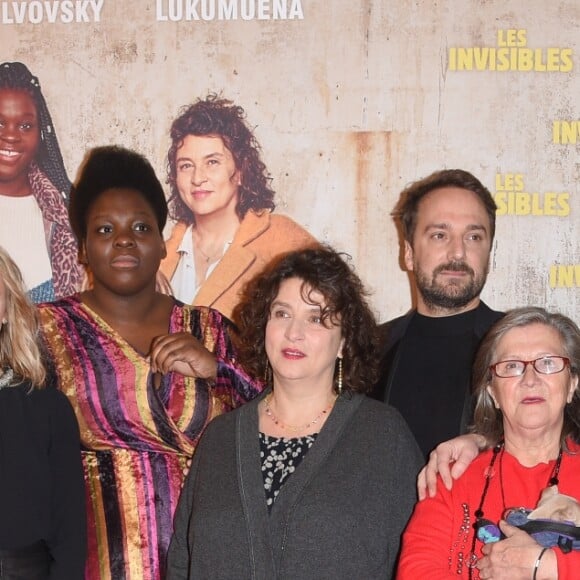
42	526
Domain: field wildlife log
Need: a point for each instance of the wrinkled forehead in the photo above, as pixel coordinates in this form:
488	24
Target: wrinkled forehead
533	339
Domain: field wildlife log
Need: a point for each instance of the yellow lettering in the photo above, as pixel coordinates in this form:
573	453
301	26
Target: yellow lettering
452	58
481	57
513	59
565	132
569	131
539	65
564	276
526	60
464	59
511	54
553	272
564	204
511	37
511	203
566	58
556	132
553	60
503	61
510	182
510	200
550	202
500	201
522	204
537	208
501	40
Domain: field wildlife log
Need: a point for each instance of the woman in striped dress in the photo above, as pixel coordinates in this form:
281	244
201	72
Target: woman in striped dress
136	365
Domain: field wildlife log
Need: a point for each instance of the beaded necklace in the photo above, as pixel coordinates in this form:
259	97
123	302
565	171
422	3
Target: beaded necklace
294	428
486	530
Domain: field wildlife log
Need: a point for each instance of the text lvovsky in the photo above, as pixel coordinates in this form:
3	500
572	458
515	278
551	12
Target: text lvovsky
176	10
37	12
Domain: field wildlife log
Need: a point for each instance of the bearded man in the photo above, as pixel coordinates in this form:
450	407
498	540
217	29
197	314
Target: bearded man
448	223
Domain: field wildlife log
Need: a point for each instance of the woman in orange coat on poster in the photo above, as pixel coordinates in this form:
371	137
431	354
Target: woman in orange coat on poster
222	202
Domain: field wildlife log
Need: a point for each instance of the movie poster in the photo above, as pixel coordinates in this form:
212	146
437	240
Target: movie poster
350	102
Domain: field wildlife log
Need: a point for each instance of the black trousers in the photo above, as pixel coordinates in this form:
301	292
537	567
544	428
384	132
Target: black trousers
26	563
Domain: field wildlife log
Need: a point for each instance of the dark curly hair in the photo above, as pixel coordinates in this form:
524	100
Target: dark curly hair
321	270
407	207
221	118
16	76
111	167
488	421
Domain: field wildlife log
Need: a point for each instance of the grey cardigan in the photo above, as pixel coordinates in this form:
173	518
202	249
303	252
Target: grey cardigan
339	516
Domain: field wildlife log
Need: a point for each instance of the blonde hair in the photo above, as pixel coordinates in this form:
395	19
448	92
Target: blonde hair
19	347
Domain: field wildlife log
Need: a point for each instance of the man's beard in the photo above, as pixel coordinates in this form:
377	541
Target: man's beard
455	293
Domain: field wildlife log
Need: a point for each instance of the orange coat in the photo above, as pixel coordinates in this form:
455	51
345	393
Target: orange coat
260	237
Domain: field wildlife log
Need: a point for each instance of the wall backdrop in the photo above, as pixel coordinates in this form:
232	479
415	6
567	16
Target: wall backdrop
351	101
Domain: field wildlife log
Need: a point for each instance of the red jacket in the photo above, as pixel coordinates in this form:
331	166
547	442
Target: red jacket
437	541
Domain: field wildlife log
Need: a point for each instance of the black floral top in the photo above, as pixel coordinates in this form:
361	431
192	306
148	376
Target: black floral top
280	457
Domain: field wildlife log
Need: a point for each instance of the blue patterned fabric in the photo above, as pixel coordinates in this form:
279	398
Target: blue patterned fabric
548	533
42	293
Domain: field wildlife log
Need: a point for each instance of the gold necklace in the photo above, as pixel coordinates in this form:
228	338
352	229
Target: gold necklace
212	257
295	428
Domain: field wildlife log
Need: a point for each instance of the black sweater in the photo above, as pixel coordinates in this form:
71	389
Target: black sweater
41	479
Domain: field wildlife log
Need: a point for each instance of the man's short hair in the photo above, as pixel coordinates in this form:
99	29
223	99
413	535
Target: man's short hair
407	207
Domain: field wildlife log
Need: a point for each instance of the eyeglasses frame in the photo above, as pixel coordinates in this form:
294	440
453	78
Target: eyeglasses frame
533	362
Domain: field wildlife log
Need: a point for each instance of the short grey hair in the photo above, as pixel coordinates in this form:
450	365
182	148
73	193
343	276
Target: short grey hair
488	421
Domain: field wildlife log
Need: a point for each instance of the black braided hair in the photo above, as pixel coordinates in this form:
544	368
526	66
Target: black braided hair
16	76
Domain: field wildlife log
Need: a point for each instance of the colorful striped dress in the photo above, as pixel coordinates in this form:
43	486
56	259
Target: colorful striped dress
135	437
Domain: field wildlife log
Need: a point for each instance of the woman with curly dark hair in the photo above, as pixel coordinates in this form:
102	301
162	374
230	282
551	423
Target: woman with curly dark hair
222	202
34	189
312	479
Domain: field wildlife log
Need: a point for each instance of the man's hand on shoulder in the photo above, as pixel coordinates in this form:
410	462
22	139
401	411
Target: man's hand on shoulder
449	459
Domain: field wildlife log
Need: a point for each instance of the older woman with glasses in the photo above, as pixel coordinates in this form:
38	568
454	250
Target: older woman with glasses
528	411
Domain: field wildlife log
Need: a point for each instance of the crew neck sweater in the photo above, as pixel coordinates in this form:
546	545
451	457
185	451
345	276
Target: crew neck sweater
433	370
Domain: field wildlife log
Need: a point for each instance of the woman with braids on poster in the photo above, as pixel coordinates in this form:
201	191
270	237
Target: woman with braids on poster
34	189
222	202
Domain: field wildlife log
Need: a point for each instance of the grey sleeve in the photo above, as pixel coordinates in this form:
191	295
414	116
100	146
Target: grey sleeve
178	557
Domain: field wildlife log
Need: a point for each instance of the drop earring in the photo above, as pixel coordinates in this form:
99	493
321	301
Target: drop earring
339	378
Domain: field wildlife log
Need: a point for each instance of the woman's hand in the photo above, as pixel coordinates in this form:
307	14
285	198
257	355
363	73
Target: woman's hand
185	471
515	558
182	353
449	459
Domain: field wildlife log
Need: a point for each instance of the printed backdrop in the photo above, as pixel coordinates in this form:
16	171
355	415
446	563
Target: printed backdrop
351	101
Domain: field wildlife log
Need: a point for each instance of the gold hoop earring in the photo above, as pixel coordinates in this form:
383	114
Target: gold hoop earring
339	379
